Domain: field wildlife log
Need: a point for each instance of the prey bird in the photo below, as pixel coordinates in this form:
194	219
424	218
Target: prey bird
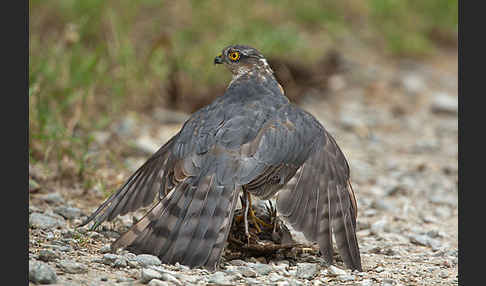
250	140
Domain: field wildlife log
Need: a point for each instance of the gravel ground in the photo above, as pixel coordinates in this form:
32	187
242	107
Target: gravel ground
396	122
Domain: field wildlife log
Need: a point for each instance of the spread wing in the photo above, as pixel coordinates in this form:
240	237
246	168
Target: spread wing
320	200
154	176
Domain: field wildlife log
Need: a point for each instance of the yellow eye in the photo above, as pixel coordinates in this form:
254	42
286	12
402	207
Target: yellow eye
234	56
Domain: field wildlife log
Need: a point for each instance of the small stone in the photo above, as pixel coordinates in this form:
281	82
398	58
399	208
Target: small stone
41	273
105	248
124	279
246	271
218	278
307	270
366	282
237	262
170	278
251	281
444	103
148	274
127	126
345	278
382	205
120	262
424	240
72	267
68	212
262	269
42	221
182	267
378	227
53	198
145	260
379	269
109	258
147	144
443	274
157	282
413	83
350	123
191	279
334	271
387	282
274	277
294	282
47	255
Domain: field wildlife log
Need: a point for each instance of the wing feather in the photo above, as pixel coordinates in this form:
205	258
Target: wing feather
139	190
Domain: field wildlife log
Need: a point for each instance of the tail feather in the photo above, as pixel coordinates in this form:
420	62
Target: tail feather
189	226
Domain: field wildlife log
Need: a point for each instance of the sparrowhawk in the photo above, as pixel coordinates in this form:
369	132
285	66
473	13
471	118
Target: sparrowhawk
251	139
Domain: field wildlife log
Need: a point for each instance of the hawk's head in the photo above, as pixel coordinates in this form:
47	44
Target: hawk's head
241	60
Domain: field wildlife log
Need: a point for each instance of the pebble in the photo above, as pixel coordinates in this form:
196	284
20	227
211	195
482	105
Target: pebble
109	258
218	278
170	278
307	270
443	274
105	248
345	278
334	271
47	255
413	83
246	271
41	273
157	282
120	262
378	227
261	269
444	103
148	274
127	126
188	278
145	260
381	204
72	267
424	240
53	198
379	269
68	212
350	123
42	221
237	262
146	144
366	282
274	277
387	282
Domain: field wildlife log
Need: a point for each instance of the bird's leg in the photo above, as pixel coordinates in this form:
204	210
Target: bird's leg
273	221
256	221
247	207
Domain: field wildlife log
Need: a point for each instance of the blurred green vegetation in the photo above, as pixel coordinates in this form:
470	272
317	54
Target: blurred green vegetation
92	60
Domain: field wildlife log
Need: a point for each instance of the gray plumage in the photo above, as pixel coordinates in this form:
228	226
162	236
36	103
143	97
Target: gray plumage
250	138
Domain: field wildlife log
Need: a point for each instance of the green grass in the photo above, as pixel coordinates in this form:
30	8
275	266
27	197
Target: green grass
92	60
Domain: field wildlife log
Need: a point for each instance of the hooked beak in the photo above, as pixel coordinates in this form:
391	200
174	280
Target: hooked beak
218	59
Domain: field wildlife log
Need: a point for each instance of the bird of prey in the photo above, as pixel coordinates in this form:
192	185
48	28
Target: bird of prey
250	140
